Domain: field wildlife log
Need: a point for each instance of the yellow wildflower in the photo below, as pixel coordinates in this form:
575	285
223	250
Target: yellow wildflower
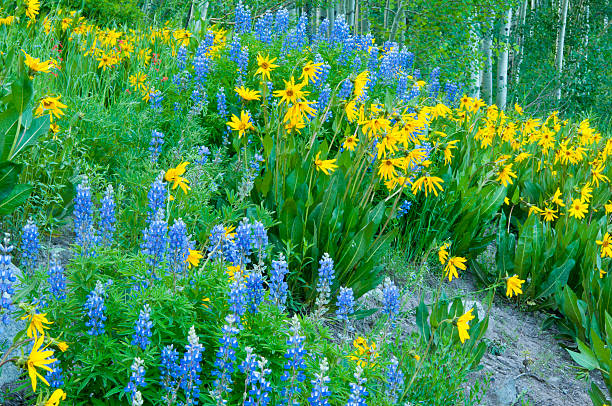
265	65
578	209
606	245
505	175
325	165
54	399
513	286
39	358
241	124
453	263
247	94
37	324
463	326
428	183
176	175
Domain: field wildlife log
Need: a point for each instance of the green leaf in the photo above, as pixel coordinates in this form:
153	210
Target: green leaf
556	279
421	320
17	197
9	175
28	136
585	358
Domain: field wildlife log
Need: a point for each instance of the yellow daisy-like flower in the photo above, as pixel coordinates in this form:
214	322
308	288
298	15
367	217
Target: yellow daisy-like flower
386	169
175	175
606	245
428	184
513	286
52	106
549	214
32	10
54	399
247	94
578	209
452	265
39	358
311	71
325	165
137	81
505	175
35	65
360	82
265	65
556	199
350	142
608	207
365	354
463	325
241	124
602	273
194	257
233	271
37	324
292	92
443	253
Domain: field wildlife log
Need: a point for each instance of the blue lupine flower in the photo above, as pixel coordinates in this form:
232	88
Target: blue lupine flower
155	146
243	61
7	278
206	46
254	290
323	31
345	304
260	236
295	364
414	92
243	18
238	298
263	27
142	329
394	382
256	371
181	57
94	309
230	251
281	23
277	284
191	367
358	392
320	391
30	246
221	103
235	48
406	60
402	86
326	274
321	80
340	31
56	279
157	198
451	89
155	99
434	83
373	59
108	217
204	153
391	299
244	241
56	376
170	372
178	247
225	359
83	219
137	378
201	67
404	208
348	47
154	244
324	98
215	241
345	90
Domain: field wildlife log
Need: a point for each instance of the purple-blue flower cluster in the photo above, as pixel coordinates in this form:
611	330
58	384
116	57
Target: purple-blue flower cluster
277	285
108	217
225	360
295	365
94	310
345	304
7	278
30	246
57	279
142	329
391	299
155	146
154	244
137	378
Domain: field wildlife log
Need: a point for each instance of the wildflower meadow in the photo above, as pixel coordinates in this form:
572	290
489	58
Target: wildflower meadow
299	203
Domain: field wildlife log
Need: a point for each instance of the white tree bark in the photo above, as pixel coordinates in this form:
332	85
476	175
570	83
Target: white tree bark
398	16
475	65
203	16
487	74
349	6
561	44
386	14
502	63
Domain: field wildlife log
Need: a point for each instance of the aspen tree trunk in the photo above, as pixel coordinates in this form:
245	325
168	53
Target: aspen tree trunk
475	65
203	16
330	16
396	20
487	74
521	42
560	45
502	63
350	12
386	14
356	24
